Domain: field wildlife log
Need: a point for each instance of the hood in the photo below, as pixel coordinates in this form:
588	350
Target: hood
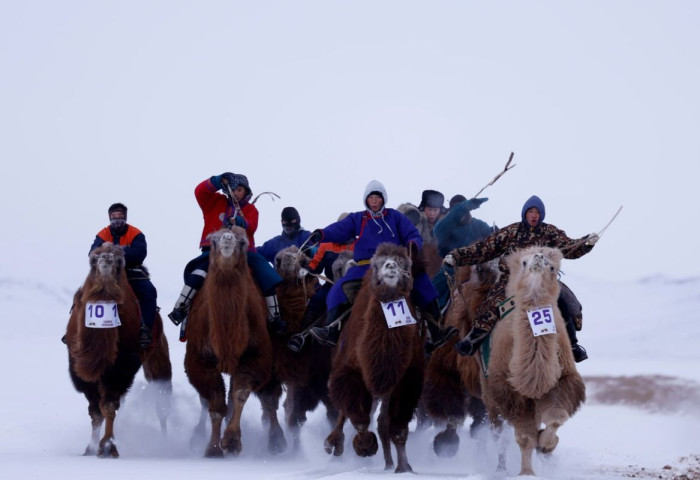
375	186
533	201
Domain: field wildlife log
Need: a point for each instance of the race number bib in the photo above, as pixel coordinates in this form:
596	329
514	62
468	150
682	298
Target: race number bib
397	313
542	320
102	315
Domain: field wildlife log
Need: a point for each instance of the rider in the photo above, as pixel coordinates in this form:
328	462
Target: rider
220	210
133	241
530	231
372	226
292	235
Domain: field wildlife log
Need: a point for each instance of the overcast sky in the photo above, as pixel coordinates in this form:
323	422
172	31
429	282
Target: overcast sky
138	101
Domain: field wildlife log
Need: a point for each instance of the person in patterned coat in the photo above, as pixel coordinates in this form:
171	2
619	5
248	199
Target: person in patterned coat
530	231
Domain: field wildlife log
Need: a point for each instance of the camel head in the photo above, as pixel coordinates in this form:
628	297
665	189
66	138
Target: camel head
229	242
391	272
289	260
107	260
342	264
536	269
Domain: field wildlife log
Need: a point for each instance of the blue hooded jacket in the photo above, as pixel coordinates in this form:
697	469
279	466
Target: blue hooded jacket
533	201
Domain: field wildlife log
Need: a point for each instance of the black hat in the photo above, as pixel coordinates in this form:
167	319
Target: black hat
457	199
290	214
432	199
117	207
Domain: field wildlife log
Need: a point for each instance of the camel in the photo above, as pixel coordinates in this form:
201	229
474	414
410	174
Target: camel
227	333
531	375
305	374
373	361
452	388
104	354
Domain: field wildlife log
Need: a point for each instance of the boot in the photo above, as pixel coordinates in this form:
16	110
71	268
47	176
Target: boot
146	337
275	323
579	352
330	334
182	306
471	342
438	336
296	341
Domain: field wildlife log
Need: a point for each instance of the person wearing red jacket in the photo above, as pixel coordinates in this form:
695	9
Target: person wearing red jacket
219	210
133	241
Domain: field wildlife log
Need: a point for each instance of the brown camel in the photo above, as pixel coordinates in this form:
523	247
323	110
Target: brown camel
227	333
532	377
452	388
305	374
103	346
374	361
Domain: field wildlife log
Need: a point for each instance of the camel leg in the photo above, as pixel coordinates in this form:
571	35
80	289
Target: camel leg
158	371
107	447
296	414
96	420
210	386
231	441
335	441
200	430
547	439
269	398
526	436
383	429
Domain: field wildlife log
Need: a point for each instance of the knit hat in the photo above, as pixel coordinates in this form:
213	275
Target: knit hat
290	214
117	207
375	187
431	199
457	199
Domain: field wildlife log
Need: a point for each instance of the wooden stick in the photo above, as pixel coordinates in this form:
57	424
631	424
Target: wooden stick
507	167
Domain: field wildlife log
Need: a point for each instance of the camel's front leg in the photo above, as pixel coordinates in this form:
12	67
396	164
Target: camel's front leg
526	437
96	420
547	439
269	397
231	442
107	446
383	426
335	441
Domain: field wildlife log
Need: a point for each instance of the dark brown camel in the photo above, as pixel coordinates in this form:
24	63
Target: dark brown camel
227	333
103	350
452	389
532	378
373	361
305	374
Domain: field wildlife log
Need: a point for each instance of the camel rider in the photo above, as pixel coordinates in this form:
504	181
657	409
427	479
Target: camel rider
530	231
232	207
133	241
372	226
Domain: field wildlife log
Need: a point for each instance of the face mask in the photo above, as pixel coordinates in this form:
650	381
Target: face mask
117	223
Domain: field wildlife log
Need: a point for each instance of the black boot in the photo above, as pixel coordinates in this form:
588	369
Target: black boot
579	353
182	306
146	337
330	334
296	341
275	323
471	342
438	336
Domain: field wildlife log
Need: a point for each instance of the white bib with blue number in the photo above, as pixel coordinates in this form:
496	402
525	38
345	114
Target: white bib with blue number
542	320
102	315
397	313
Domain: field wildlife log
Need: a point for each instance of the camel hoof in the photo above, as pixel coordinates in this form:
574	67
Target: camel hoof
277	443
547	441
335	444
108	449
90	451
213	451
365	444
232	444
403	468
446	444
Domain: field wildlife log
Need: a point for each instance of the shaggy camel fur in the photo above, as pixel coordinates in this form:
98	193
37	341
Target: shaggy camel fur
532	380
305	374
227	333
373	361
452	388
103	361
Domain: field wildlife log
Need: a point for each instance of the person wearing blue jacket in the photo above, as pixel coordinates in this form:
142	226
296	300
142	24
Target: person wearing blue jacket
457	229
292	234
374	225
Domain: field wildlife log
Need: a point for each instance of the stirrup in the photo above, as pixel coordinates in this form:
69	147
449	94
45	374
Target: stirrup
296	342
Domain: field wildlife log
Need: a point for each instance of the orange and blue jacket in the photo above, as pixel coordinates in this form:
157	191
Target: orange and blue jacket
133	241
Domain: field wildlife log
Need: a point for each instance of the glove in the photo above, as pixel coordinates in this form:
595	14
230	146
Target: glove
315	237
449	260
592	239
240	221
475	203
228	178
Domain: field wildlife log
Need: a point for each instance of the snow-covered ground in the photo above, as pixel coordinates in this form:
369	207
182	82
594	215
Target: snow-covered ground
642	417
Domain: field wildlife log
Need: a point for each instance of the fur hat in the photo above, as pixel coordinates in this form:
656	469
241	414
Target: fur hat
290	214
431	199
117	207
533	201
